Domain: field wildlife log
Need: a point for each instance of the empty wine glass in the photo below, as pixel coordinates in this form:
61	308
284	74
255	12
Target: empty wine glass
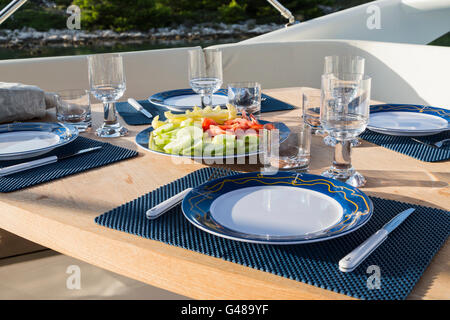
344	115
205	73
107	83
343	65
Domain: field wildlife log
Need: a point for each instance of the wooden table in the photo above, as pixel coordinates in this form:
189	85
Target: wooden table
60	215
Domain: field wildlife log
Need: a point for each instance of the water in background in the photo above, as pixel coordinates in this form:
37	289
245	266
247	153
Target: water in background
67	50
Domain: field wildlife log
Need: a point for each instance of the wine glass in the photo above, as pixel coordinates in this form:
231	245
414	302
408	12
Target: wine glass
339	65
205	73
344	115
107	83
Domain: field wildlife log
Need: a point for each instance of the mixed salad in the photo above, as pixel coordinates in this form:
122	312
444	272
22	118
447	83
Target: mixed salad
207	132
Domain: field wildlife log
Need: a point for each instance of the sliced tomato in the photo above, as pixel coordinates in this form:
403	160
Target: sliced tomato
269	126
207	122
215	130
254	120
257	126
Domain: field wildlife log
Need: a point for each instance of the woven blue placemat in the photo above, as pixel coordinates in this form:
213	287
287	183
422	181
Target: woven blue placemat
133	117
409	147
402	258
106	155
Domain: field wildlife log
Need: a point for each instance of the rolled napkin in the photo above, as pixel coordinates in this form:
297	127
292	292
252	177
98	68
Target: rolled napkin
20	102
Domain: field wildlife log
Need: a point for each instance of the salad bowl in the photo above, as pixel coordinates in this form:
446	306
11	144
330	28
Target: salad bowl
143	141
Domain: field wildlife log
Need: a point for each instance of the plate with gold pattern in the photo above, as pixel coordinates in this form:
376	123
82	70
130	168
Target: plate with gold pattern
278	208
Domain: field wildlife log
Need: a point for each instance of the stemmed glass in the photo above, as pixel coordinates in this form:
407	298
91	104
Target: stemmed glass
205	73
107	84
339	65
344	115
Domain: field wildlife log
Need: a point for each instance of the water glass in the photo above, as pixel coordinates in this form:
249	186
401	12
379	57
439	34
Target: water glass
107	82
291	154
246	97
311	111
205	73
344	115
344	64
73	107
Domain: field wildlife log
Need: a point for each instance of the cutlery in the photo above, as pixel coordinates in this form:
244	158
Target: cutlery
438	144
139	108
173	201
358	255
41	162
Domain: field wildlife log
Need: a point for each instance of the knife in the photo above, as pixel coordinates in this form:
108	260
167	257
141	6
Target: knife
41	162
354	258
139	108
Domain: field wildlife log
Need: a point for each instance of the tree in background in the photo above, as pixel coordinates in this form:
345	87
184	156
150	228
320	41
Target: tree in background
122	15
36	14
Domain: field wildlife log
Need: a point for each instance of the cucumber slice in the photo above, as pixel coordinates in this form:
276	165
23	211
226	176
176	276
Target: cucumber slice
186	123
191	132
224	139
211	150
176	146
165	128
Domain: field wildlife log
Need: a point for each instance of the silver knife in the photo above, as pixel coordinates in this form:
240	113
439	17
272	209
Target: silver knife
41	162
354	258
139	108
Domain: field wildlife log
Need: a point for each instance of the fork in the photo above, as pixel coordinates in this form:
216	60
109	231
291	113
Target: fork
437	144
175	200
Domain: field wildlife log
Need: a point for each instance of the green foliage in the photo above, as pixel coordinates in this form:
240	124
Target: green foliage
122	15
232	12
33	14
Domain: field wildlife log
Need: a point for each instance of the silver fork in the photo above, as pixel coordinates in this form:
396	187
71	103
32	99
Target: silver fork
175	200
438	144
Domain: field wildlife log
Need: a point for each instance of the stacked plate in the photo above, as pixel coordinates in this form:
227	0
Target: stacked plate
32	139
185	99
408	120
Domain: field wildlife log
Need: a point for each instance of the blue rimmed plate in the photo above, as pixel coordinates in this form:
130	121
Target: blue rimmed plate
184	99
143	137
281	208
408	120
23	140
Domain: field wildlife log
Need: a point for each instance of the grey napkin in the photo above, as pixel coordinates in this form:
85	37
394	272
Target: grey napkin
23	102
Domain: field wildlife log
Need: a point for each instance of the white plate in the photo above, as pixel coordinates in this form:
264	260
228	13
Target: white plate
281	208
185	99
406	123
189	101
276	211
31	139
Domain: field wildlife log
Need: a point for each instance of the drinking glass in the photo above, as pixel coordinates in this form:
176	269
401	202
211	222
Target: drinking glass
344	115
205	73
107	82
343	65
73	107
291	154
245	96
311	111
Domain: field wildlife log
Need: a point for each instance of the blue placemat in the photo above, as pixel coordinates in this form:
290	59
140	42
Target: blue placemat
409	147
107	155
402	258
133	117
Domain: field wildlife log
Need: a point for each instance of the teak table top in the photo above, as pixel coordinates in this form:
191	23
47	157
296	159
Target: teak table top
60	215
